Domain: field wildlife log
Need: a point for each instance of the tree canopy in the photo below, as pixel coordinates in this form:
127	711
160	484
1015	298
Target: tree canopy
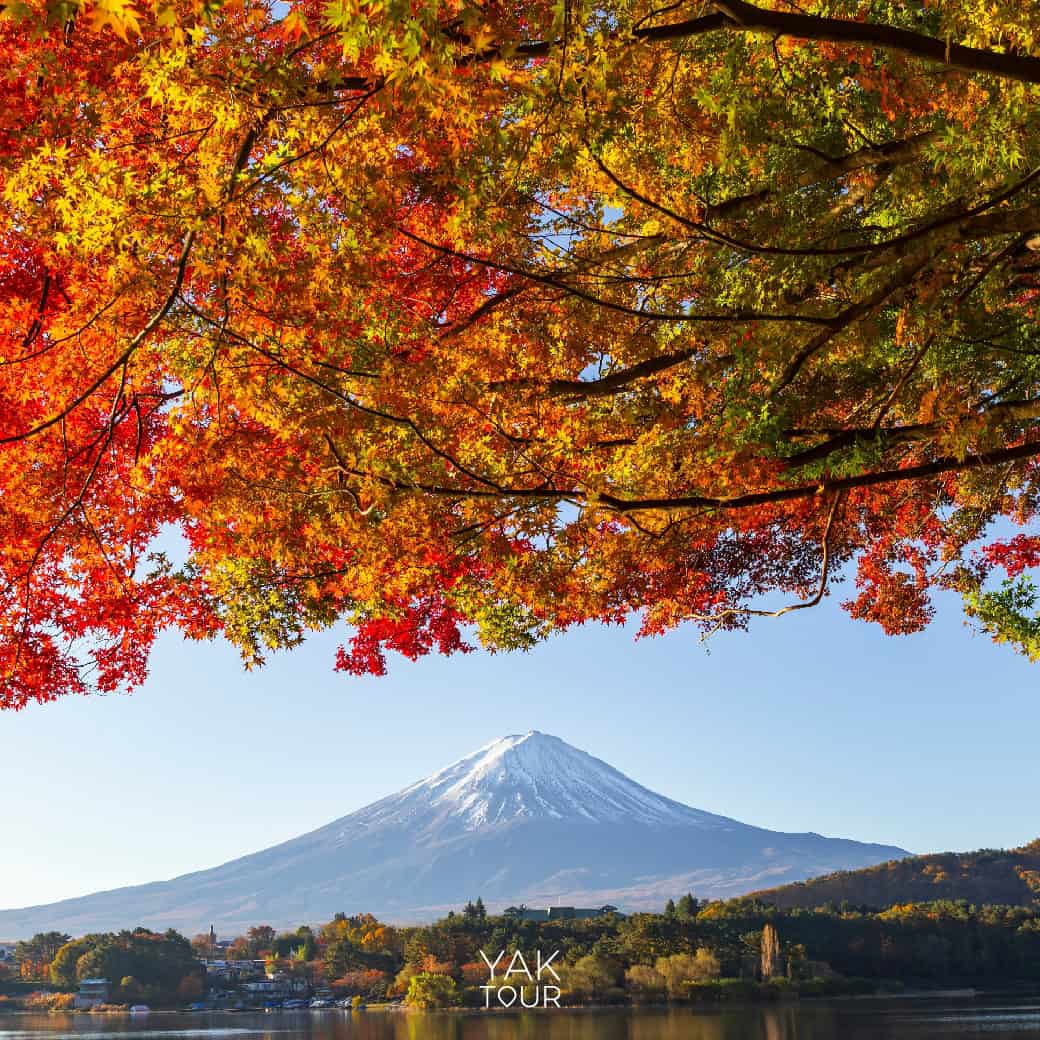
468	320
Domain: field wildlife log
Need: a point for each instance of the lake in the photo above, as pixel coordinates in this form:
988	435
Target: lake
906	1019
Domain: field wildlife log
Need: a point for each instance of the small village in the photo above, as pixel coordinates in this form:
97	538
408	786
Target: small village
242	985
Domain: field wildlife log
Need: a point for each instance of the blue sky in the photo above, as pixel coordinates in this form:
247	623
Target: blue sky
808	722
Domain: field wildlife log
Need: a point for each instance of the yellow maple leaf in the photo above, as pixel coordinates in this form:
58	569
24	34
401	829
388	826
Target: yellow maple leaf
118	15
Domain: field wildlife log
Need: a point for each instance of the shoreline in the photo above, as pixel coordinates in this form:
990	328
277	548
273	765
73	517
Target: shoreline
947	993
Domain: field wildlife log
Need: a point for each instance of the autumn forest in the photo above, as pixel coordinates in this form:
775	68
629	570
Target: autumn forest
694	951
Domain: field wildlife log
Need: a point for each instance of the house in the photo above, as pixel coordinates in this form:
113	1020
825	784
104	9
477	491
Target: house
91	993
278	985
263	988
232	971
296	985
247	968
6	952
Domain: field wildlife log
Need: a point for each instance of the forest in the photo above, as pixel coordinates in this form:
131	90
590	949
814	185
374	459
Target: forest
141	966
695	950
986	876
692	951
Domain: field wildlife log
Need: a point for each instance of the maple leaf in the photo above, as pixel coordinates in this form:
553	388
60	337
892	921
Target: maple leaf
118	15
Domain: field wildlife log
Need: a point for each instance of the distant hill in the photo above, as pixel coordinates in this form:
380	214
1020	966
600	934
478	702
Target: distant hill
1009	877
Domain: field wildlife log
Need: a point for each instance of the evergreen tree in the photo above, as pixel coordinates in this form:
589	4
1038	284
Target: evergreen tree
687	906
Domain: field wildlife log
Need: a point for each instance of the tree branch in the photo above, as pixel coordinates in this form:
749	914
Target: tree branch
745	16
124	357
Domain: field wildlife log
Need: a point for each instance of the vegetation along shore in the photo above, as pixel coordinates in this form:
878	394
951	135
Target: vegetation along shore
741	949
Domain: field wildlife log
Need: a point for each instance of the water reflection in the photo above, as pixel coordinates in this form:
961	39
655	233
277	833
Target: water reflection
851	1020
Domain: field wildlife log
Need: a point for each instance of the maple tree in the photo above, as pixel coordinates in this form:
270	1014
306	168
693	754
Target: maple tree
449	320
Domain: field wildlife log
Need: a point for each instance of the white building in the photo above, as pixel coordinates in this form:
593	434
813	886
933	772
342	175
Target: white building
91	993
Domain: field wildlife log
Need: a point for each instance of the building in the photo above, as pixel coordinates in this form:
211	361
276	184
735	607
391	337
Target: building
561	913
91	993
264	988
278	986
230	973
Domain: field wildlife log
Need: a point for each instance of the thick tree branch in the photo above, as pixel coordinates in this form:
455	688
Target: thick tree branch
751	500
886	437
892	153
738	16
937	467
604	386
746	16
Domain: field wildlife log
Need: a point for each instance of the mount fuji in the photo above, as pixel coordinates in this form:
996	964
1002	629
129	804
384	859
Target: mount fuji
526	818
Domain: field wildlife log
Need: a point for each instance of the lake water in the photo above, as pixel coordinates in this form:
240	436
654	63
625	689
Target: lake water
906	1019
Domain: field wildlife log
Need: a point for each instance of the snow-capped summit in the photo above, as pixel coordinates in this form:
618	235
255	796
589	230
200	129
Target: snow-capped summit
526	818
532	776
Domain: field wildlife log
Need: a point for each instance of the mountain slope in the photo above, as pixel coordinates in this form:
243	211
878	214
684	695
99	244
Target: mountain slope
1008	877
526	818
